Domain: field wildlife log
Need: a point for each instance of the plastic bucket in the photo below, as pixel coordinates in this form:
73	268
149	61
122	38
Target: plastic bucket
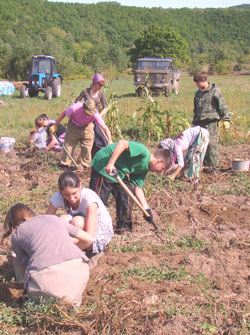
240	165
7	144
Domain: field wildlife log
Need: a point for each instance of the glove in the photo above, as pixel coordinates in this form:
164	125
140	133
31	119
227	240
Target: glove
149	218
52	129
226	125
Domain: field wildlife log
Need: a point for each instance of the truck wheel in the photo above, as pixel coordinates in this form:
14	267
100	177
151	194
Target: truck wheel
24	91
56	87
48	93
140	91
33	92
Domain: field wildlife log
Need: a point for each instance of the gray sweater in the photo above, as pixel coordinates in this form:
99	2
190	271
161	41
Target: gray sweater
42	241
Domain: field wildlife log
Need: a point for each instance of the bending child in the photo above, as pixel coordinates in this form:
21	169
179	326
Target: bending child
80	129
51	264
42	121
194	139
133	161
85	210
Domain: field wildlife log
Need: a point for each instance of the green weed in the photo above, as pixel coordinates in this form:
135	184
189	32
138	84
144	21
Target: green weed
135	247
239	185
209	328
188	242
152	273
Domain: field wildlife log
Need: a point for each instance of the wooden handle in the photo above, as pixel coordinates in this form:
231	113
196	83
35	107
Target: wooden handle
118	178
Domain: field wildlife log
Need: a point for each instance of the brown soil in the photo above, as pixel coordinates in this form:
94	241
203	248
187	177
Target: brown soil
190	277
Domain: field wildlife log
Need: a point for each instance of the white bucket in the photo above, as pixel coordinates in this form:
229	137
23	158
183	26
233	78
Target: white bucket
7	144
240	165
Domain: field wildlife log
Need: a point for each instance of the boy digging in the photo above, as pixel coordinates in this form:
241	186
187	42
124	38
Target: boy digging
133	161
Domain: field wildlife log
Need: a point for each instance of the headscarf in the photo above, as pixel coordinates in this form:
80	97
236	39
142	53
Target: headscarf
97	77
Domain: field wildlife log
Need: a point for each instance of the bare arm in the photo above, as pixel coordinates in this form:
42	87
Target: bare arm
174	174
51	210
121	146
107	133
86	237
60	117
85	240
141	197
52	143
104	111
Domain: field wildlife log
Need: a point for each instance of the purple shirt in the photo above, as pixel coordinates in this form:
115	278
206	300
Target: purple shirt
80	118
42	241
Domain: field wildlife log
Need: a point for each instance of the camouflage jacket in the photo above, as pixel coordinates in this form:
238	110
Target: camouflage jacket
210	106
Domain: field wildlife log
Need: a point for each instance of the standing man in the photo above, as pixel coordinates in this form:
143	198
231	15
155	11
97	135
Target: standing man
209	109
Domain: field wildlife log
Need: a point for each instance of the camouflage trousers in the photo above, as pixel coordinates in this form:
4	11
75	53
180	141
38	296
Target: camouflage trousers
212	155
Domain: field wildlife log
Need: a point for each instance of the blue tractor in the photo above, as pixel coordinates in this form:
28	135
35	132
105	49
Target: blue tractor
43	78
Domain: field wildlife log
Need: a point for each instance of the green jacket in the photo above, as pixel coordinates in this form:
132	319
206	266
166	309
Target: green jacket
210	106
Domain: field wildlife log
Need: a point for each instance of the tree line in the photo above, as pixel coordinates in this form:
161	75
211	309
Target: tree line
95	37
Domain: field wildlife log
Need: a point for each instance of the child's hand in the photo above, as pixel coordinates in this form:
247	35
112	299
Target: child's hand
109	169
52	129
226	125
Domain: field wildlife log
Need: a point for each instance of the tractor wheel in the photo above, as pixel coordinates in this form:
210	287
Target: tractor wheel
24	91
48	93
33	92
56	87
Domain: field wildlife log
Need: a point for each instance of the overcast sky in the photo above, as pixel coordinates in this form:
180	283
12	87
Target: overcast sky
169	3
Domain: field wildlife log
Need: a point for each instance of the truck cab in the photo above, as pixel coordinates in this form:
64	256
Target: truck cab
157	74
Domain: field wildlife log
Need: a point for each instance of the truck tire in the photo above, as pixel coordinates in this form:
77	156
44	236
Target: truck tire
140	91
24	91
56	87
48	93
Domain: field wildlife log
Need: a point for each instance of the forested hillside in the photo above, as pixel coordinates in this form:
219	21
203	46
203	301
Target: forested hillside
93	37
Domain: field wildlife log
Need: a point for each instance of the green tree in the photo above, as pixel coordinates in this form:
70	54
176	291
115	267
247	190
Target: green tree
159	41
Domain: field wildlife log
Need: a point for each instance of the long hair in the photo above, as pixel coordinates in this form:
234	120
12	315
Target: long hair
14	217
68	179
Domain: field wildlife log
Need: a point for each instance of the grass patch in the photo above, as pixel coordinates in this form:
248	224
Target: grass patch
239	184
188	242
153	273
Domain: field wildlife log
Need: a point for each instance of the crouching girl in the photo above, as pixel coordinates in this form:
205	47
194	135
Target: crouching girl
85	210
195	140
51	264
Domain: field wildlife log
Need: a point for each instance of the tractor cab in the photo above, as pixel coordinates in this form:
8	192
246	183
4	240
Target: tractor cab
43	77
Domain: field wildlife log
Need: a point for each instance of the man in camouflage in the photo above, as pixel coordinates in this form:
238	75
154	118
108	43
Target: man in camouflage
209	109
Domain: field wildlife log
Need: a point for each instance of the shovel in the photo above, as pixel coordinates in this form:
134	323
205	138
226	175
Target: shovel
115	174
66	150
